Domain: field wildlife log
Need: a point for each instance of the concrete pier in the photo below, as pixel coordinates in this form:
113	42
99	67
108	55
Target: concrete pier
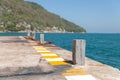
98	70
18	57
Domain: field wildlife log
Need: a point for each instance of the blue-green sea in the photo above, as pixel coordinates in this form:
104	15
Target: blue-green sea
102	47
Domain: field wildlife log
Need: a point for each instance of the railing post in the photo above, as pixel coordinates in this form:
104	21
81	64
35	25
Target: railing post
41	38
79	52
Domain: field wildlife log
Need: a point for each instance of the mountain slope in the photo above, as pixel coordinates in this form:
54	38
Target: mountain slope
17	15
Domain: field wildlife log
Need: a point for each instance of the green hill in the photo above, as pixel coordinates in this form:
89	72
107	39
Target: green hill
20	15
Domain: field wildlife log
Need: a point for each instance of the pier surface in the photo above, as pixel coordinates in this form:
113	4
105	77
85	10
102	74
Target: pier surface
20	61
17	57
98	70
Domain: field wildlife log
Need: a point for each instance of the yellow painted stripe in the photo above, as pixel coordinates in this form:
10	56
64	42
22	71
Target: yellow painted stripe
46	53
82	72
51	57
75	71
54	63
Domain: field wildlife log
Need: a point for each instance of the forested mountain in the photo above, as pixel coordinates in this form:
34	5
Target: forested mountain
20	15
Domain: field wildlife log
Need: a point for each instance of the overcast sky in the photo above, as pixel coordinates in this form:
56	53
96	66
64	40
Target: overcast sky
96	16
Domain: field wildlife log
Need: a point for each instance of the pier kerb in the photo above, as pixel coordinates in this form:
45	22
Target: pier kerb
41	38
78	55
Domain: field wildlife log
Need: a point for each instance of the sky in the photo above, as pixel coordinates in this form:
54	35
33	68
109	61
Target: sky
96	16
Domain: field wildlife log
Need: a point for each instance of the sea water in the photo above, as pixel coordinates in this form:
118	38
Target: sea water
101	47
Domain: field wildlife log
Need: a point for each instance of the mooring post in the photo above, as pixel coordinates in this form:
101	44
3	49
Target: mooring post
28	32
79	52
33	35
42	38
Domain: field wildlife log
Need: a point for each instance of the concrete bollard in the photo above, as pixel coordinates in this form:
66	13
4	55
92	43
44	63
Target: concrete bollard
33	34
78	55
28	32
41	38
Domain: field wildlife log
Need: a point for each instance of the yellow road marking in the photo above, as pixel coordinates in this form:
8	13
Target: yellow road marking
75	71
51	57
54	63
71	74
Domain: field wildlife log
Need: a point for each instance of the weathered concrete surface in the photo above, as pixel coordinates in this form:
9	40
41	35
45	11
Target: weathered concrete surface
17	56
98	70
32	61
56	75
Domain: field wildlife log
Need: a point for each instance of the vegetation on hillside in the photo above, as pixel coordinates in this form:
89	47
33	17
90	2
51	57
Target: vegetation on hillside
20	15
